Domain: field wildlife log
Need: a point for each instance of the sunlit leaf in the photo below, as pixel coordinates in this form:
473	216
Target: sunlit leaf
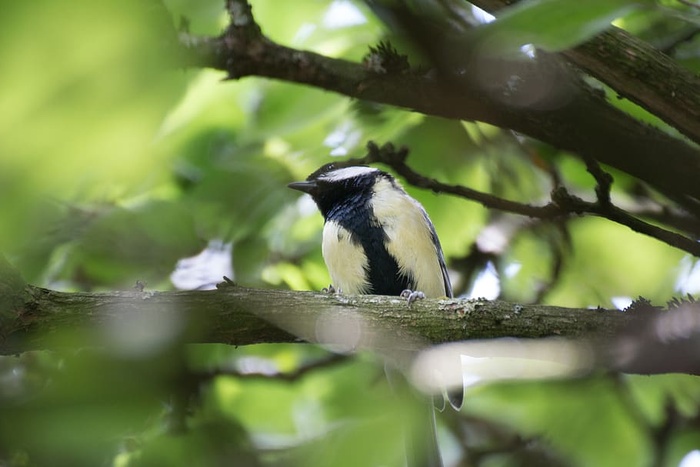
551	25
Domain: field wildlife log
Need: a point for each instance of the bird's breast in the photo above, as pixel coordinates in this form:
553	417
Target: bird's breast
382	244
345	259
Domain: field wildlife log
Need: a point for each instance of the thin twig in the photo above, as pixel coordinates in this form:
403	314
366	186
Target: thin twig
677	219
563	203
396	159
291	376
603	180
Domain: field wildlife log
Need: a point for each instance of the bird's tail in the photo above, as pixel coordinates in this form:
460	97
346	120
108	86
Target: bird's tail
418	423
421	438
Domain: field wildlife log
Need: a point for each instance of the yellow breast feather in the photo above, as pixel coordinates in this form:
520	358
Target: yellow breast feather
345	260
410	238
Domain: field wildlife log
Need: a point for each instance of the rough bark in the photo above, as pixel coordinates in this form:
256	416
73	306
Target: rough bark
641	340
241	316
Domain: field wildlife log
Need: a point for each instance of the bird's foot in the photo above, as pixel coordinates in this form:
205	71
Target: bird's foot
331	290
412	295
225	283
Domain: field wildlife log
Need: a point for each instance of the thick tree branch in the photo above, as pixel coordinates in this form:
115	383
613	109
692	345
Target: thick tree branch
638	72
645	76
242	316
639	340
570	117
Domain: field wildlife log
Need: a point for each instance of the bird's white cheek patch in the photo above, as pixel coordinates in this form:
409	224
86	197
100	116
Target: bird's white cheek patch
346	261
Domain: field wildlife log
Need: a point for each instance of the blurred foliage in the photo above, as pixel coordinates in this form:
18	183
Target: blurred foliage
552	25
115	165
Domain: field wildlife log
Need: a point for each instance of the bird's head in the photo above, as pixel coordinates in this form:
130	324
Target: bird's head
331	186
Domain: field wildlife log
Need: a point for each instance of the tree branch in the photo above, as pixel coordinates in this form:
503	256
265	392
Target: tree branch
639	340
198	377
242	316
637	71
572	117
563	203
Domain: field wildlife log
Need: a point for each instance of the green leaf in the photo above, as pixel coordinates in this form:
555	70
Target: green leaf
551	25
83	129
578	417
287	108
611	260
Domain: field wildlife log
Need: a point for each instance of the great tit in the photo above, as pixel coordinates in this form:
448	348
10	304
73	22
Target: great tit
379	240
376	238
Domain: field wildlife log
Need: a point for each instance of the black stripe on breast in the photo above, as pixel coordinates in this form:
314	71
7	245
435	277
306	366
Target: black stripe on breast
384	276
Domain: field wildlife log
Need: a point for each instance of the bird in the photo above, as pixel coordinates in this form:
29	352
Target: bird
376	238
379	240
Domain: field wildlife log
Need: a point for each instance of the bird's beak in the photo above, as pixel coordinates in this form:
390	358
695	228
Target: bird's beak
306	186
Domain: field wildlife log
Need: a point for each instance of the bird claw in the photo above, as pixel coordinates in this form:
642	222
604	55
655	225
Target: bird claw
225	283
412	295
331	290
